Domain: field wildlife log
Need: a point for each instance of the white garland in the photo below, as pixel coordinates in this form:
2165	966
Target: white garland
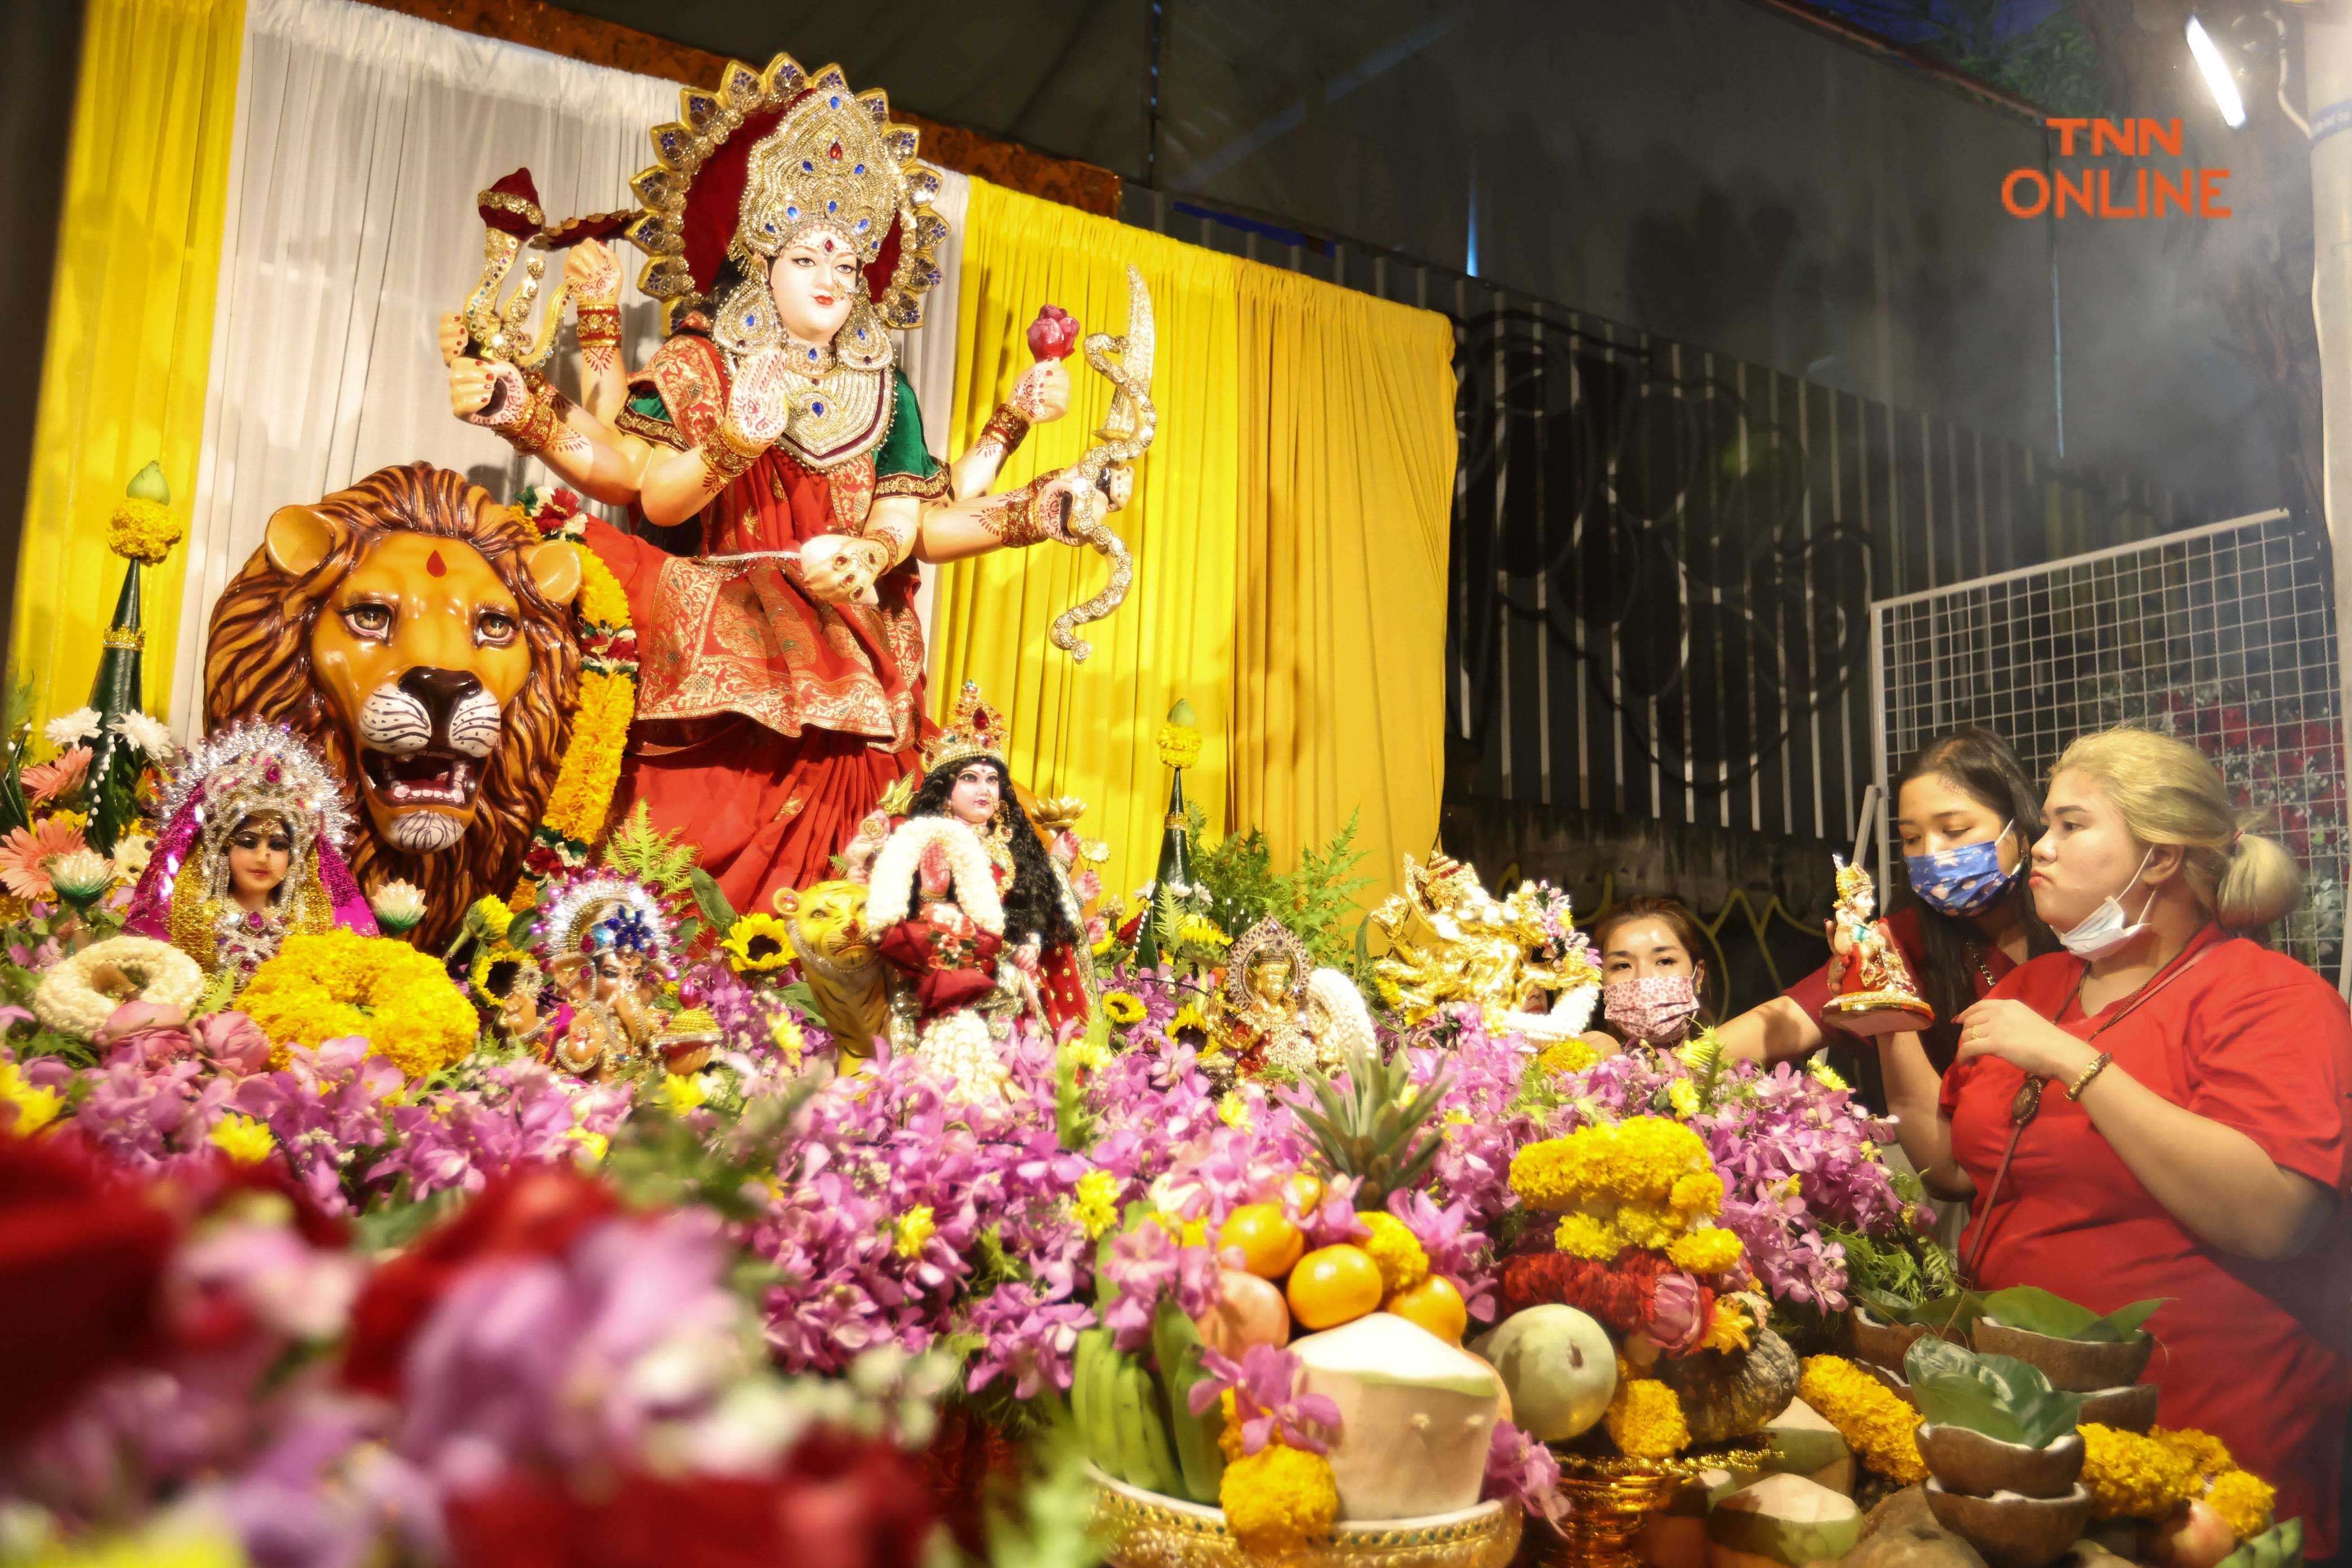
893	877
1342	1023
958	1045
66	1002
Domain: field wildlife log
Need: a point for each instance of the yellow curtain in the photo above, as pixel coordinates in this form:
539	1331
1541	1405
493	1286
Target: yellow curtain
1348	456
131	324
1289	540
1091	730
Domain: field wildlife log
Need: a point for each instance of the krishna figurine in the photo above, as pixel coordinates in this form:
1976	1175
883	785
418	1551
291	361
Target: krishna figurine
771	457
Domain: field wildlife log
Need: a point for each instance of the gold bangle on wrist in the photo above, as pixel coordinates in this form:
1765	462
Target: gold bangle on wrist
727	454
597	326
542	416
2083	1080
1007	428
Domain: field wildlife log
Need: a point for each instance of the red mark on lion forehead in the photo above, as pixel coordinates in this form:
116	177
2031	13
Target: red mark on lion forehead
434	564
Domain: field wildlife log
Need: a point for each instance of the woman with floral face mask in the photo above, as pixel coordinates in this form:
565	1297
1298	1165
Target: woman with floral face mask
1965	811
2160	1112
1650	974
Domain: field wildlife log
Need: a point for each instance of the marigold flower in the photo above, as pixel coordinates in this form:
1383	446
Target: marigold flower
1582	1236
1235	1111
1179	745
2244	1500
1279	1500
1682	1095
1645	1420
2134	1477
1730	1328
1698	1194
1880	1428
1571	1055
1709	1251
143	531
1396	1251
2208	1453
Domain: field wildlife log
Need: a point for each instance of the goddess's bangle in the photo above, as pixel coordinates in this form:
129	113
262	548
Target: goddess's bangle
598	326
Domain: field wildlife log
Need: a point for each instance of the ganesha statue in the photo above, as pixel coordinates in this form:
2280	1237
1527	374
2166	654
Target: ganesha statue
772	458
603	940
417	636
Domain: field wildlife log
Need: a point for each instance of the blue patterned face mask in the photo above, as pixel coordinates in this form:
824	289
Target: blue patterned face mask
1963	880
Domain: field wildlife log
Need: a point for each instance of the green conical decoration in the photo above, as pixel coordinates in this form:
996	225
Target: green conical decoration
1179	741
120	687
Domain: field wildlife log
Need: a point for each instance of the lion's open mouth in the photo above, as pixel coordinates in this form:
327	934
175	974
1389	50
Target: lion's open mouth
432	777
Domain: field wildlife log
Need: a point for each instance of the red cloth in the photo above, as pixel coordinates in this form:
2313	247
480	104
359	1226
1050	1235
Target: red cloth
2260	1354
827	704
1813	992
951	968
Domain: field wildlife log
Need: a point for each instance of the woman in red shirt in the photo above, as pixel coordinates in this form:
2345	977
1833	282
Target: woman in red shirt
1965	810
2190	1138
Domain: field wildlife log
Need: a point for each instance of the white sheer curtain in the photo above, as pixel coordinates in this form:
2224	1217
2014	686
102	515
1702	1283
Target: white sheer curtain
361	139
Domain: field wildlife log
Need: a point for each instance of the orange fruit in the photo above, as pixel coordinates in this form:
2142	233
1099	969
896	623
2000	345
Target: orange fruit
1334	1285
1435	1305
1269	1243
1304	1191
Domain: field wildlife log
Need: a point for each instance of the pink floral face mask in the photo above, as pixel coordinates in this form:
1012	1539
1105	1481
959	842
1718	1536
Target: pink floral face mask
1655	1007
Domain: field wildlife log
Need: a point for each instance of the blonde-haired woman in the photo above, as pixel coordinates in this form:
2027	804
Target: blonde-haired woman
2190	1139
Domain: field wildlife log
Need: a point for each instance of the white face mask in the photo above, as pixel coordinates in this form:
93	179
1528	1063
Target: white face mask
2104	930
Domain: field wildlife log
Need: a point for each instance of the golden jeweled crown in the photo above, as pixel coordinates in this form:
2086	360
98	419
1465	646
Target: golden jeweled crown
974	729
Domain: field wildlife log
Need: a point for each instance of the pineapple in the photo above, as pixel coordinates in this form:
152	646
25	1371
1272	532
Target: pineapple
1379	1129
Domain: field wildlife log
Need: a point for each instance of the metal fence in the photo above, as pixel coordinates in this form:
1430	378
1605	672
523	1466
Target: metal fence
2223	635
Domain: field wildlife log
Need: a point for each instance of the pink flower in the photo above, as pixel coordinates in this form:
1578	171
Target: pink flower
1267	1401
1519	1466
145	1033
1675	1320
46	781
24	855
233	1041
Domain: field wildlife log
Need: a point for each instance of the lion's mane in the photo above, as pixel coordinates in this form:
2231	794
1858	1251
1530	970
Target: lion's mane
258	666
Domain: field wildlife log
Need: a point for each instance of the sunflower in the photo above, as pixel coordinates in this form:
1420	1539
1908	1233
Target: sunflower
1188	1016
1125	1007
757	942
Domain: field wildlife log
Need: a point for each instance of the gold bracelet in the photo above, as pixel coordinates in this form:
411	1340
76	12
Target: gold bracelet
727	454
1007	428
2074	1091
597	326
1016	518
542	416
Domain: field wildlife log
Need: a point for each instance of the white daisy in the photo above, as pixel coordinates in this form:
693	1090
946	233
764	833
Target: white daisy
71	730
130	854
150	735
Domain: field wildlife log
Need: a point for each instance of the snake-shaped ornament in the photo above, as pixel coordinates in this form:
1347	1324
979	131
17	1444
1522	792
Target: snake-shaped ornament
1102	483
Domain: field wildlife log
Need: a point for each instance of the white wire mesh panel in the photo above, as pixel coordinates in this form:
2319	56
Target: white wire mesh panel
2223	636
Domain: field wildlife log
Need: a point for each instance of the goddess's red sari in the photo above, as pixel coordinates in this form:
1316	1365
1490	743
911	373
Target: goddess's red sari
768	723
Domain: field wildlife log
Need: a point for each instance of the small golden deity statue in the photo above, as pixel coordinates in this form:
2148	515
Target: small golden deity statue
607	950
1876	996
1276	1013
1519	958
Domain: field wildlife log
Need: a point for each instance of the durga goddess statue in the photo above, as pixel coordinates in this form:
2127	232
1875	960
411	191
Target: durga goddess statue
772	455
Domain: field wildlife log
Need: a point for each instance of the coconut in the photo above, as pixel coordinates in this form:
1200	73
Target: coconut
1805	1443
1781	1522
2130	1408
1561	1368
2072	1366
2011	1530
1968	1462
1416	1416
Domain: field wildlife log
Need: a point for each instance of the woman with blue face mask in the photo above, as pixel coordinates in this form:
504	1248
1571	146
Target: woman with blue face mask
2161	1111
1965	814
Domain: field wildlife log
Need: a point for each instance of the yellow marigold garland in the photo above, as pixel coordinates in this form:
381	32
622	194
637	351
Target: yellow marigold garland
590	772
2135	1477
1179	745
337	984
1569	1056
1279	1500
1645	1420
1880	1428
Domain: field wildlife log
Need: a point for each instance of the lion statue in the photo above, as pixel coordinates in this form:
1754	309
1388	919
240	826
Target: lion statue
419	635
